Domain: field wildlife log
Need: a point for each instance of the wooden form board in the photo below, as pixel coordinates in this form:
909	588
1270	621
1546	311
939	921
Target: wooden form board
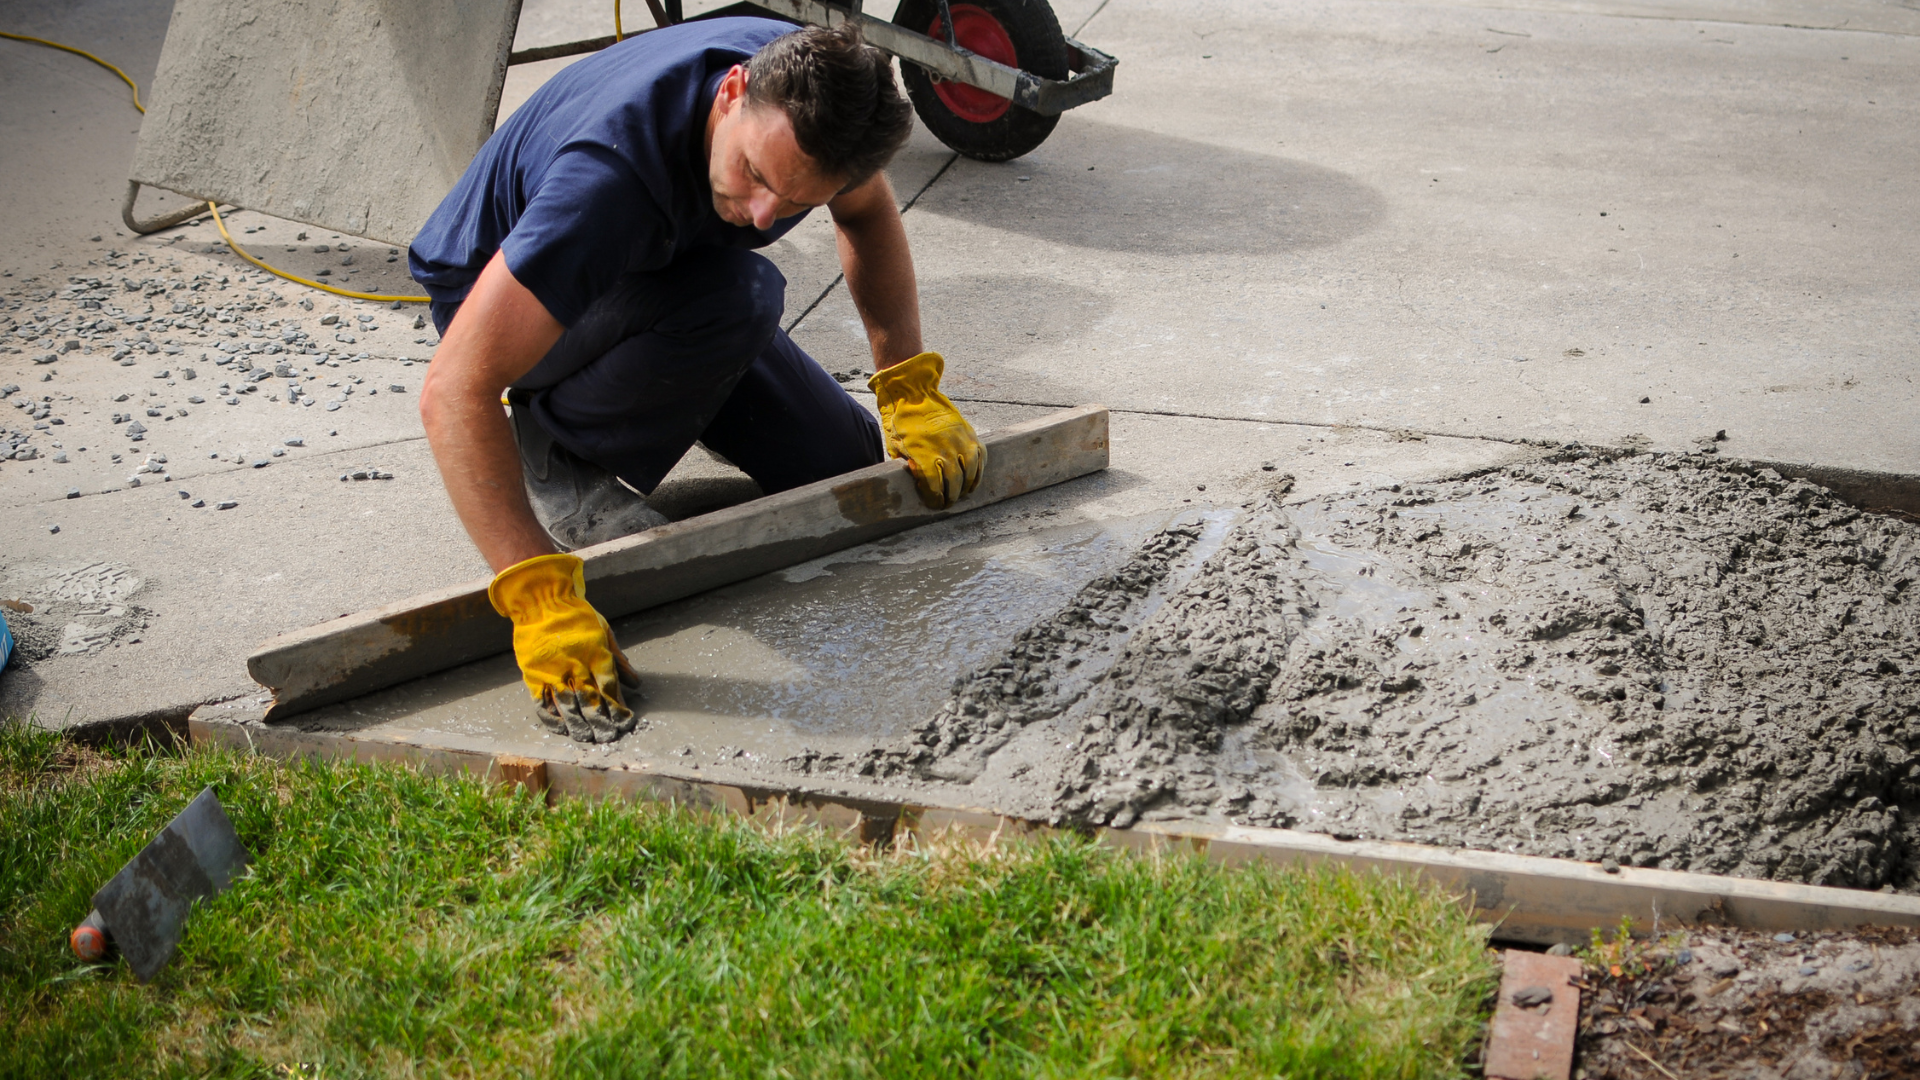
1536	900
374	650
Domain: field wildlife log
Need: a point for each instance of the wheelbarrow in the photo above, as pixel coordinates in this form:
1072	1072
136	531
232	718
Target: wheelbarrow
358	116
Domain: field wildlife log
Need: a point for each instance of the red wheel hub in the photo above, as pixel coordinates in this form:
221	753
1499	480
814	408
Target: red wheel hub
976	30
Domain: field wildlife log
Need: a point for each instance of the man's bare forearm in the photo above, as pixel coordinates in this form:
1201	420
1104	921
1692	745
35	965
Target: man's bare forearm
500	332
874	254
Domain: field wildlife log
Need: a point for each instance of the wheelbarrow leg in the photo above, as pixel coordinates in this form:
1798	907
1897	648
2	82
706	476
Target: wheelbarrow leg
154	224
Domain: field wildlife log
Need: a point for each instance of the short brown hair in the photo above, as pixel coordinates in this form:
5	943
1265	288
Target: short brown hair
848	115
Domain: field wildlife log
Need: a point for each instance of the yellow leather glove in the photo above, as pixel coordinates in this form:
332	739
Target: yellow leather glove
571	664
923	427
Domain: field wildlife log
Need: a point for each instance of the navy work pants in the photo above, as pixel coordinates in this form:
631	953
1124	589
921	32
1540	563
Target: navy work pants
691	353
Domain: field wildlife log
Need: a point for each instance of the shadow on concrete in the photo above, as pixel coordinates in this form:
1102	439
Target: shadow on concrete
1115	188
682	499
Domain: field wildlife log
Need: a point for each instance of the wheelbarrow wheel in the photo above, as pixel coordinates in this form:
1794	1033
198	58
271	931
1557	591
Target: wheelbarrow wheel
1018	33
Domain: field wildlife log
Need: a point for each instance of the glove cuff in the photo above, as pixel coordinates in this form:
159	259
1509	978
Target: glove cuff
915	377
535	579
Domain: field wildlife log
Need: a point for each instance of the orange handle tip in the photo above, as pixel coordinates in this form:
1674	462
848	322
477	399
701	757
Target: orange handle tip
89	943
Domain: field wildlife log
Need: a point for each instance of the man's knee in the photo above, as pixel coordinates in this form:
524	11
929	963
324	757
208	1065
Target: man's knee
738	298
763	293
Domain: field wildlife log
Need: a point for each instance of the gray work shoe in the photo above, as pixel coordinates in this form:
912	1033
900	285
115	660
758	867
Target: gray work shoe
577	502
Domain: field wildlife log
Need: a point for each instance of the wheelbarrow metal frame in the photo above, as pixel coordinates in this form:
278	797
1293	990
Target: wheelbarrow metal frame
1092	69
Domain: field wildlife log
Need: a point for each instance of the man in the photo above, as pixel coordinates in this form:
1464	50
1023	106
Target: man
594	264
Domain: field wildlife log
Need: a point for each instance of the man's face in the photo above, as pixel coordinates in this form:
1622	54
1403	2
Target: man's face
754	164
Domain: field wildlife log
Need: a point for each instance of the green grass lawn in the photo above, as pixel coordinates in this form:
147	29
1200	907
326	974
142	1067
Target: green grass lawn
397	924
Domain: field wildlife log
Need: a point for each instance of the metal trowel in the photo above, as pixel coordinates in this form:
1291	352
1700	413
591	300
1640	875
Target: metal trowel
143	908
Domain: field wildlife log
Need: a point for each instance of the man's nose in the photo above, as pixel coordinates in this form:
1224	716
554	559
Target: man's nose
763	206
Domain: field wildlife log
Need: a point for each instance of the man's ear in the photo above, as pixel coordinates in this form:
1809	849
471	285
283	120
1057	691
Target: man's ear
733	88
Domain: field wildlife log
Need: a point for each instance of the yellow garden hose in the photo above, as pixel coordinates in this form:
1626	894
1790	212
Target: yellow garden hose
298	280
88	55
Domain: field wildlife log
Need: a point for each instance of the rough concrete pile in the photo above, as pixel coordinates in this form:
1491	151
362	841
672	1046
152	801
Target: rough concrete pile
1656	659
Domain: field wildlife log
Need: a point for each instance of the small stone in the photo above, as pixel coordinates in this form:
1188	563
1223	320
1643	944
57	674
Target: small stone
233	401
1528	997
197	503
133	481
184	495
189	374
333	406
226	504
73	493
53	528
329	320
1859	965
279	451
1562	949
296	441
1809	969
419	322
396	388
1646	401
60	458
163	373
1783	937
1684	956
196	400
1608	866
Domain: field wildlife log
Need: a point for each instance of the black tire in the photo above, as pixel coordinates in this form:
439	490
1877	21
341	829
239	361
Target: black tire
1039	47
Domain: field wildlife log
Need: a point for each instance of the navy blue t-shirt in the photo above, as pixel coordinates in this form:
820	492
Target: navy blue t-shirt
602	172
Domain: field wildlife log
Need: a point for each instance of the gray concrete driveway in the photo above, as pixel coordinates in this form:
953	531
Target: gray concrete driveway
1359	241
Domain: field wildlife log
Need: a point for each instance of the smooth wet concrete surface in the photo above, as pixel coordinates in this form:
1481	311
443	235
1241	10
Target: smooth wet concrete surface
832	655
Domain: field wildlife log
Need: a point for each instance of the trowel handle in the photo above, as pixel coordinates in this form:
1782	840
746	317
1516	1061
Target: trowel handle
90	939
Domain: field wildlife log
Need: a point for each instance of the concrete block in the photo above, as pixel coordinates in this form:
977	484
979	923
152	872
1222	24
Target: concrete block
352	115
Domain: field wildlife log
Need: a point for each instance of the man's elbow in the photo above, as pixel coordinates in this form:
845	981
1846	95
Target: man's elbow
433	403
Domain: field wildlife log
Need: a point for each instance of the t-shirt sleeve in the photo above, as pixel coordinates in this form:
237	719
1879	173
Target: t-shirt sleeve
590	220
